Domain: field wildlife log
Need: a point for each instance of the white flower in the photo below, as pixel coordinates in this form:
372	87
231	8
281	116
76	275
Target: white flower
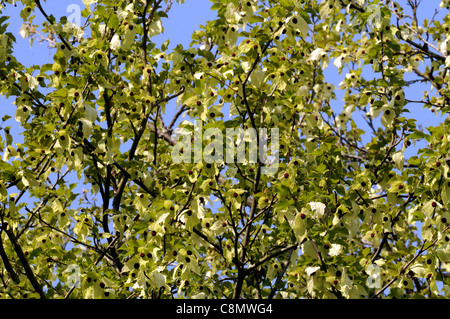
317	54
338	63
399	160
182	131
318	208
102	28
87	3
24	31
115	42
335	250
311	270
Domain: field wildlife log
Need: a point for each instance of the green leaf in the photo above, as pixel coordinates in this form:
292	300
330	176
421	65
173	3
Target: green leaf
399	160
22	114
300	227
427	231
159	279
129	37
299	24
445	193
444	253
113	22
308	248
3	193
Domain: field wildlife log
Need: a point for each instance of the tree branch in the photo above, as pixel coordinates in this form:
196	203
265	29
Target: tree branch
403	269
270	256
28	271
6	262
38	4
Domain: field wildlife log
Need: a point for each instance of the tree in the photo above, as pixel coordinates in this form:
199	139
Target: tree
355	200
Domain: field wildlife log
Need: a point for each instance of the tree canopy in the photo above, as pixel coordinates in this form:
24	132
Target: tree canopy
355	205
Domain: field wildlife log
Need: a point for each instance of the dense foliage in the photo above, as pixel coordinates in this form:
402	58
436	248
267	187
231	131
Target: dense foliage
346	214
